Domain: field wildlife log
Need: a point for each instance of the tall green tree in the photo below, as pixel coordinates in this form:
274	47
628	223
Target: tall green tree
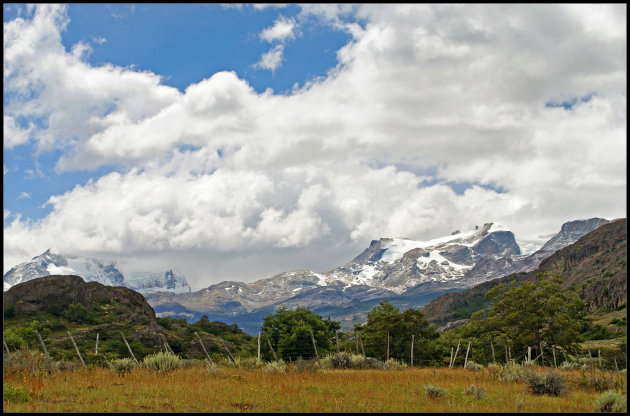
290	333
537	314
388	333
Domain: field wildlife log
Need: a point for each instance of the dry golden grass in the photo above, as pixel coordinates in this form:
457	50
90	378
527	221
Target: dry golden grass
236	390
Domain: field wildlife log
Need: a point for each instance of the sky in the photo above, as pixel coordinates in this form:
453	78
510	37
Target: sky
236	142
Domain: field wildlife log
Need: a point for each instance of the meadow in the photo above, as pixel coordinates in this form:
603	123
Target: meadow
237	387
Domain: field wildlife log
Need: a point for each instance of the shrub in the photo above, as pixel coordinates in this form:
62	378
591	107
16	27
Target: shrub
15	393
276	366
512	372
434	392
393	364
29	362
162	361
122	365
475	391
550	383
66	365
569	365
471	365
341	360
611	401
595	381
213	368
375	364
306	366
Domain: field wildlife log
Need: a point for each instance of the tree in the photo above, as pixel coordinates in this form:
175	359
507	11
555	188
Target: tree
535	314
387	333
290	333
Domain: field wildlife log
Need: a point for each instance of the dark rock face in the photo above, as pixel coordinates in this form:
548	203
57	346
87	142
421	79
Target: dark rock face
498	243
373	253
48	292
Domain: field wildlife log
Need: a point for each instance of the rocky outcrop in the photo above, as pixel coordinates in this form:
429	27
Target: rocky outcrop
57	292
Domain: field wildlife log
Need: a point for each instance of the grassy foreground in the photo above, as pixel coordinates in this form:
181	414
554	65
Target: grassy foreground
195	389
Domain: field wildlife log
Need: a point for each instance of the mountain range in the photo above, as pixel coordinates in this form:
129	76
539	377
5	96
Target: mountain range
409	273
93	270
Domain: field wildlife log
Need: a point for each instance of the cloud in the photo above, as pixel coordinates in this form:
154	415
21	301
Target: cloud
244	185
282	30
24	195
272	59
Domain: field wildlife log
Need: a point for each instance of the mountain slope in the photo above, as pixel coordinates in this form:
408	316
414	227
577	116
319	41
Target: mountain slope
595	266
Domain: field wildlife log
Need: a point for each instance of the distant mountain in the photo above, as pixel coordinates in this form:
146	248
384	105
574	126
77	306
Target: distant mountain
595	266
93	270
409	273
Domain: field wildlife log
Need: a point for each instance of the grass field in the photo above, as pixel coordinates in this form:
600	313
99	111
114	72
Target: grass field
195	389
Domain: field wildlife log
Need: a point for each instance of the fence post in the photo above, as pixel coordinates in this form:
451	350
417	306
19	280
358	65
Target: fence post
356	340
228	351
590	359
272	351
96	347
315	348
5	346
41	342
492	348
128	347
76	348
553	351
258	347
510	351
361	342
203	346
412	350
451	361
599	358
467	349
456	351
387	333
616	366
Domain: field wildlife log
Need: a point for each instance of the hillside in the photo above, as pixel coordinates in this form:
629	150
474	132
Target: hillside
595	267
55	304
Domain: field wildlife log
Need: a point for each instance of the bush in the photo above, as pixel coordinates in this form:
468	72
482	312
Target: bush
434	392
393	364
162	361
213	368
29	362
550	383
66	365
611	401
122	365
595	381
475	391
374	364
471	365
512	372
569	365
306	366
15	393
341	360
78	313
276	367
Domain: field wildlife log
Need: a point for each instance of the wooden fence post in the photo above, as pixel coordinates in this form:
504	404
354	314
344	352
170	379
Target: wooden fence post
96	347
107	362
412	350
315	348
599	358
337	341
356	340
361	342
467	349
553	351
168	347
529	354
387	333
5	346
76	348
272	351
456	351
258	359
492	348
510	351
228	351
41	342
129	348
616	366
203	347
590	358
451	361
